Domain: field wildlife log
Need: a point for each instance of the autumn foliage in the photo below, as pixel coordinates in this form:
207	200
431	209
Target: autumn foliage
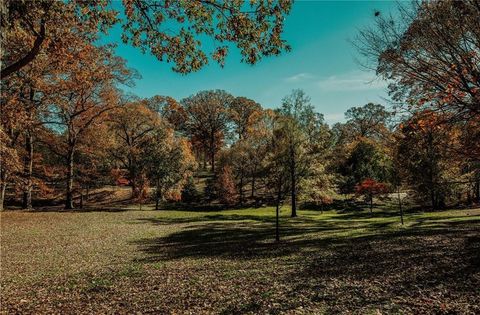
370	188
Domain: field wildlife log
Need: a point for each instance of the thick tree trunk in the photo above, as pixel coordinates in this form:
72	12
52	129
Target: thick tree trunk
69	197
27	172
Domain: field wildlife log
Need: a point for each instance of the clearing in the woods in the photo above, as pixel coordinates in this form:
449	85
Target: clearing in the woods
227	262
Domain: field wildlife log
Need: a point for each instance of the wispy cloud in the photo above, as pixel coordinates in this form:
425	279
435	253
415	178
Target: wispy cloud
333	117
352	81
303	76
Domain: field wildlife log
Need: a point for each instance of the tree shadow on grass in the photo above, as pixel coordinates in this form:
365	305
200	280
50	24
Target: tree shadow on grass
232	240
434	269
420	269
249	236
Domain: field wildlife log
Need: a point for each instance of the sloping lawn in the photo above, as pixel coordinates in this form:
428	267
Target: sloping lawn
226	262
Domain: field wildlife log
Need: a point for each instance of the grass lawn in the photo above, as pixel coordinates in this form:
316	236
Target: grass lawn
226	262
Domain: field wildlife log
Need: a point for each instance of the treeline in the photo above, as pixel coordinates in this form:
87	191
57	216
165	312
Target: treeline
59	85
253	155
66	126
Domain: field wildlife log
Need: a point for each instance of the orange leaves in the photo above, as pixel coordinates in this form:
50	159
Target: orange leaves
226	186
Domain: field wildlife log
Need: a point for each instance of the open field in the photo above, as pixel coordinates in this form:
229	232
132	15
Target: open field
226	262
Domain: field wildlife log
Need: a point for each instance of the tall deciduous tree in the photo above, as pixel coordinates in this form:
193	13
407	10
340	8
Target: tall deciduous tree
167	160
208	120
430	53
43	25
245	114
368	121
132	125
170	30
86	92
429	162
304	130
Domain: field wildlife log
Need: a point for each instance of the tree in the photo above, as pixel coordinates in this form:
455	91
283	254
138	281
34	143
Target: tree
245	114
167	161
305	133
366	160
85	93
370	188
9	166
174	30
256	145
170	110
277	173
171	31
226	186
368	121
208	119
235	159
429	51
44	26
189	191
429	167
132	124
318	187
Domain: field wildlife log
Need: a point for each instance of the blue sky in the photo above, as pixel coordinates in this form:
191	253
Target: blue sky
322	62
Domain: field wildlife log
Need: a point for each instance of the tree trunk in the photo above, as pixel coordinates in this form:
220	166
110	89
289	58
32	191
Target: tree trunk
241	189
3	187
81	198
27	171
371	204
69	199
212	151
253	186
432	198
400	205
132	176
477	186
212	162
158	195
277	228
294	193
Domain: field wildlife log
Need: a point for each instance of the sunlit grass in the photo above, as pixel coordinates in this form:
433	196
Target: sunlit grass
69	255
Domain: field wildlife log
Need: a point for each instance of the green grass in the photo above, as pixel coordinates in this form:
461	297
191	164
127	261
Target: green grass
227	262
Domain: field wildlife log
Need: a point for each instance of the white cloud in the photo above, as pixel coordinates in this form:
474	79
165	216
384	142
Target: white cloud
352	81
303	76
333	118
